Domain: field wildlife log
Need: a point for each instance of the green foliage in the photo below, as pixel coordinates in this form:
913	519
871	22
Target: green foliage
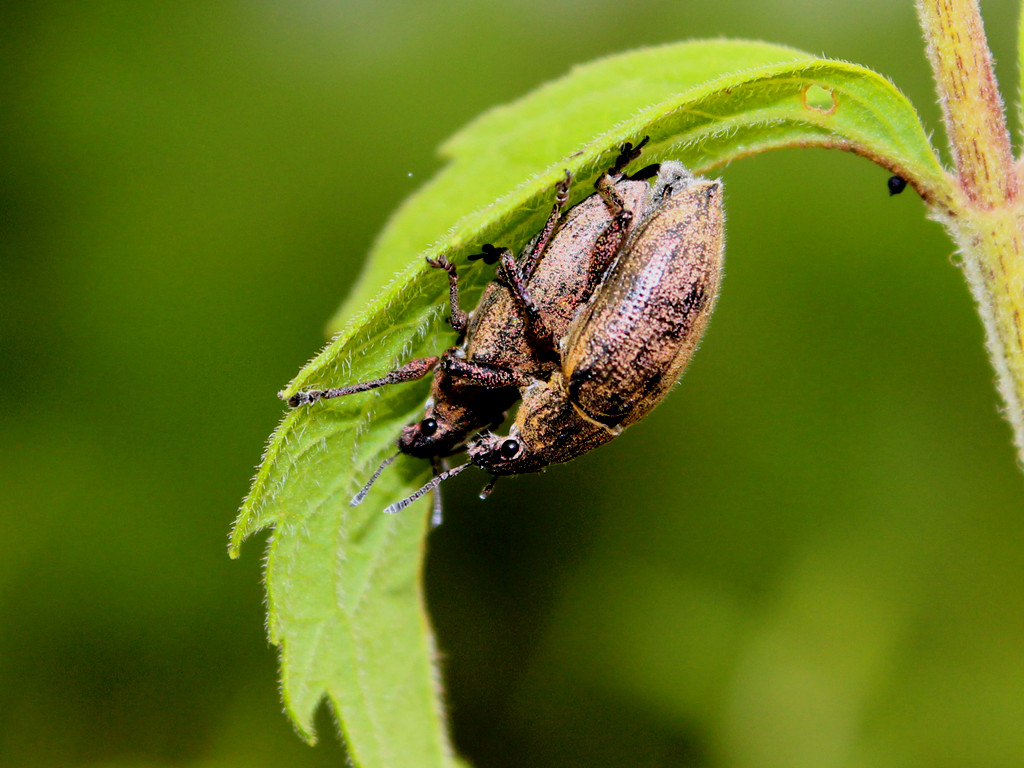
344	593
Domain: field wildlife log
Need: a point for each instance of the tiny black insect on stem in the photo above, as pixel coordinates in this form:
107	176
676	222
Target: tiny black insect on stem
896	185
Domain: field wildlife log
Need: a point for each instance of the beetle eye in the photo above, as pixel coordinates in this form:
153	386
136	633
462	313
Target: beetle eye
509	449
428	427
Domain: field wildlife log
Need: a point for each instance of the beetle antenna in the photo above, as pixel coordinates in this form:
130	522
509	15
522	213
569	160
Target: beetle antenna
358	498
438	465
488	488
398	506
438	514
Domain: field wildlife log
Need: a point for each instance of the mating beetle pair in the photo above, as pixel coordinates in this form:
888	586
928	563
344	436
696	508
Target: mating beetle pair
591	327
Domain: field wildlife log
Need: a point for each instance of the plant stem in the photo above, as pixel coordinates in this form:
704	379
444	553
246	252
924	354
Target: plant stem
985	220
971	106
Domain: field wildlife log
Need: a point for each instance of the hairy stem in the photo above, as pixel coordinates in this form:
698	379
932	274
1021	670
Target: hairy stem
971	106
986	218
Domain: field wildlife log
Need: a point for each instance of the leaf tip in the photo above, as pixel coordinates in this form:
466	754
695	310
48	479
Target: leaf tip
302	715
236	538
244	526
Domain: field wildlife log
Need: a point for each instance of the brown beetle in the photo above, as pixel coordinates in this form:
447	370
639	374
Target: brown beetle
508	340
629	346
509	337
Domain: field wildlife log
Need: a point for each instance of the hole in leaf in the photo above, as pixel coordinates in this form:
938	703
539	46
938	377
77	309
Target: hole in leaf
820	99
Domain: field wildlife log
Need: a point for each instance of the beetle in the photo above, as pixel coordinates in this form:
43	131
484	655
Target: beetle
630	345
509	335
507	342
626	348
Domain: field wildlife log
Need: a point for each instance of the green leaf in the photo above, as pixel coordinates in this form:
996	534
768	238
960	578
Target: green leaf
345	601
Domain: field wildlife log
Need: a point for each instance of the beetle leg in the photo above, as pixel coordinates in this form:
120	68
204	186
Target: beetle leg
414	369
458	318
490	254
646	173
605	185
554	220
489	487
608	242
536	326
483	375
627	154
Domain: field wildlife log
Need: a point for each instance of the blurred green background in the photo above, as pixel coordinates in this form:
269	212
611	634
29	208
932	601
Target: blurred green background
811	555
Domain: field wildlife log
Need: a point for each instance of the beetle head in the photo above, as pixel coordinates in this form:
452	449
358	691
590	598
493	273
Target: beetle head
437	434
505	455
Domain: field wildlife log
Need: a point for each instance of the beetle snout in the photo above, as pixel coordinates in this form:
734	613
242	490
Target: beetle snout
427	438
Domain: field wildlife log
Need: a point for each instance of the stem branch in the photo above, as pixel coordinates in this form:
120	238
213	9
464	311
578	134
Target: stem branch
986	219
